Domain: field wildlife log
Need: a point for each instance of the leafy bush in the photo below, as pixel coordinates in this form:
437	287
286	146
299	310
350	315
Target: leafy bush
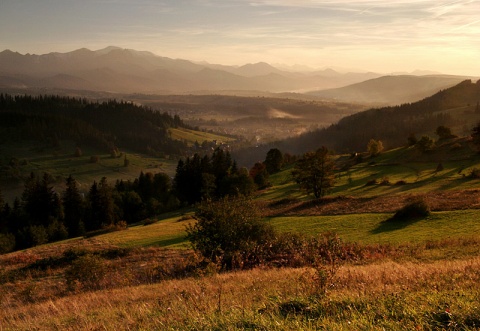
228	231
413	210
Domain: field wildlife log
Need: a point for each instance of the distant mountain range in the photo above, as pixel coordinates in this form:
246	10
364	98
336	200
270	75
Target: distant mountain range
127	71
118	70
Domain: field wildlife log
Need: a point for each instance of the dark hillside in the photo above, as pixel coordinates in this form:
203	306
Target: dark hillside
453	107
101	125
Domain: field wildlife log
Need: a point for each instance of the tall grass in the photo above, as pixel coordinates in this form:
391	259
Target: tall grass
387	295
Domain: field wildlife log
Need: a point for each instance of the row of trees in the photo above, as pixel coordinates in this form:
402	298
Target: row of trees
216	176
42	215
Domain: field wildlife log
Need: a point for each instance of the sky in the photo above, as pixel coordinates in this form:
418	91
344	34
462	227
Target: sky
368	35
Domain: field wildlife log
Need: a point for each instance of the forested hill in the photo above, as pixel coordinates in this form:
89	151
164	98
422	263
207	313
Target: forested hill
105	125
456	107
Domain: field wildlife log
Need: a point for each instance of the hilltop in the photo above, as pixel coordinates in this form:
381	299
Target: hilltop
391	90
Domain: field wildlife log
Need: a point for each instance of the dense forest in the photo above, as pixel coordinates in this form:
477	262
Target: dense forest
107	125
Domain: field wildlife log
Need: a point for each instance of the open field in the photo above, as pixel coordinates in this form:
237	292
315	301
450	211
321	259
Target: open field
60	163
192	136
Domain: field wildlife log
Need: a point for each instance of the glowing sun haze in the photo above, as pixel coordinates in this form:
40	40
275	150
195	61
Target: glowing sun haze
381	36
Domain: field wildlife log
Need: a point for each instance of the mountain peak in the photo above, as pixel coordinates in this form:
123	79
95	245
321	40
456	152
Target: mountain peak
107	49
257	69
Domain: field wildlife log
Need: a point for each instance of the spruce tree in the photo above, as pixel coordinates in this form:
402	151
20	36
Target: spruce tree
74	208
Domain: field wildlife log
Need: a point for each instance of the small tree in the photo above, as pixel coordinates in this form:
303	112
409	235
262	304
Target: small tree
425	144
374	147
259	175
314	172
412	139
228	231
476	136
74	208
274	161
444	132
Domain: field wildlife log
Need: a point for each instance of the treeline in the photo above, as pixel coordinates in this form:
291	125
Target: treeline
42	215
391	125
106	125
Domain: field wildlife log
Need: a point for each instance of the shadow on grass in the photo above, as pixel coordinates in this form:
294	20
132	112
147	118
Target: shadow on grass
392	224
169	242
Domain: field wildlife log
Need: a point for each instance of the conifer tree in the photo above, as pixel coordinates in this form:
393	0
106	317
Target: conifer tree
74	208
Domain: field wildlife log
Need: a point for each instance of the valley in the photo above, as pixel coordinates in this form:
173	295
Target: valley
163	156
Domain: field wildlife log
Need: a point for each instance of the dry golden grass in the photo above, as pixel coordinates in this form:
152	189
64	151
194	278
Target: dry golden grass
394	295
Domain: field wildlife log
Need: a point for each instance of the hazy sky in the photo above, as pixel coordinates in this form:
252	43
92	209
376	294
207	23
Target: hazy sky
382	36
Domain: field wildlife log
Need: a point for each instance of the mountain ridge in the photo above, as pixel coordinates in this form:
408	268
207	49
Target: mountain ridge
36	68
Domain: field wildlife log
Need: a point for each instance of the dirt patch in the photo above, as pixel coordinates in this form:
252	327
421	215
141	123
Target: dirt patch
438	201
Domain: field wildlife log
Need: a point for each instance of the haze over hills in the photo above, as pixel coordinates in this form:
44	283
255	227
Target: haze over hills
391	90
117	70
127	71
457	107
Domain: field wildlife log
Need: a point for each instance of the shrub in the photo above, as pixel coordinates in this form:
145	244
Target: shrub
425	144
413	210
371	182
374	147
56	230
475	173
385	181
94	159
87	272
456	147
78	152
228	231
32	236
7	243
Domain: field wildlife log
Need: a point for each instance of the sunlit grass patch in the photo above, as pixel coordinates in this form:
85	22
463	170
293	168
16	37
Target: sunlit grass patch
192	136
372	228
164	233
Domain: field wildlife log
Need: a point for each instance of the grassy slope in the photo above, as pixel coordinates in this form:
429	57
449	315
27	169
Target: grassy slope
168	232
435	288
192	136
60	163
421	177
